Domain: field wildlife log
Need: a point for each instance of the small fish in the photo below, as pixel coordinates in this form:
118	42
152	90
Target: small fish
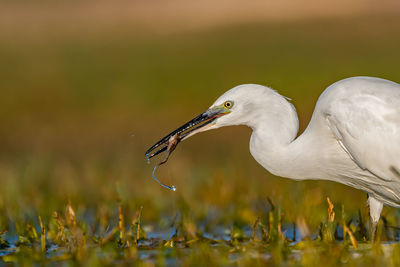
169	142
172	143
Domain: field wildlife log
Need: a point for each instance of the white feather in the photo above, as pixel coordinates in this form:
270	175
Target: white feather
353	137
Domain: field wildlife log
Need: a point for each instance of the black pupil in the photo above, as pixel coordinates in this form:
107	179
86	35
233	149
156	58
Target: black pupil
228	104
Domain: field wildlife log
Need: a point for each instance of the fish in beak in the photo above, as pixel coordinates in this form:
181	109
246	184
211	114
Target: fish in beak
168	143
199	124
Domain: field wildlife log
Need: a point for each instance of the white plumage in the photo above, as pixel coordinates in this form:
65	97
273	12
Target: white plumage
353	137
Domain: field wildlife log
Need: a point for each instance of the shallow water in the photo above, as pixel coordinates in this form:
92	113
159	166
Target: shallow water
153	248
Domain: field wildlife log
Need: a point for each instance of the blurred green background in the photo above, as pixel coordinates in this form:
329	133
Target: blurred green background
87	87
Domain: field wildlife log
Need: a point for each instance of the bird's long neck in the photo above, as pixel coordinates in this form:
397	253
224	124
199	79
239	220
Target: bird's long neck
274	145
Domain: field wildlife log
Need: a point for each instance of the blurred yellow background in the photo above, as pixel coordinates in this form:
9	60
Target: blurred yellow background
88	86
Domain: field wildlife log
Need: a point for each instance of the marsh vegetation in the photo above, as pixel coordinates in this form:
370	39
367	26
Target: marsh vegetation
78	111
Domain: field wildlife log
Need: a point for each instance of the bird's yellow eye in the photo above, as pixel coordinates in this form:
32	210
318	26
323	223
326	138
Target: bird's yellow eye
228	104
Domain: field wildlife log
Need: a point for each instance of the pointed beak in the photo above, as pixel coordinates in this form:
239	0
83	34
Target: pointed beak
199	124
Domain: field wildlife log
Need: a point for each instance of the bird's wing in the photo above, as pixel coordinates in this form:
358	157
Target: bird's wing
368	128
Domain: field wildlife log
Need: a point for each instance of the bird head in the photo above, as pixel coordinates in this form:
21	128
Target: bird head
238	106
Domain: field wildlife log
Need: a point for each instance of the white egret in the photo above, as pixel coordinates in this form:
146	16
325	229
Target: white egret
353	137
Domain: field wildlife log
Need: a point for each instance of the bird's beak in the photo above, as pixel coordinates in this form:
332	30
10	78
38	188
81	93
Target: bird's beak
199	124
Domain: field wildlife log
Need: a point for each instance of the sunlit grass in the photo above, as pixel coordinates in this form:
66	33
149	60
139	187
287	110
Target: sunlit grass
77	115
125	237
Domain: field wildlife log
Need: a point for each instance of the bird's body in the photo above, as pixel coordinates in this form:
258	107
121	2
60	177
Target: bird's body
348	140
353	137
